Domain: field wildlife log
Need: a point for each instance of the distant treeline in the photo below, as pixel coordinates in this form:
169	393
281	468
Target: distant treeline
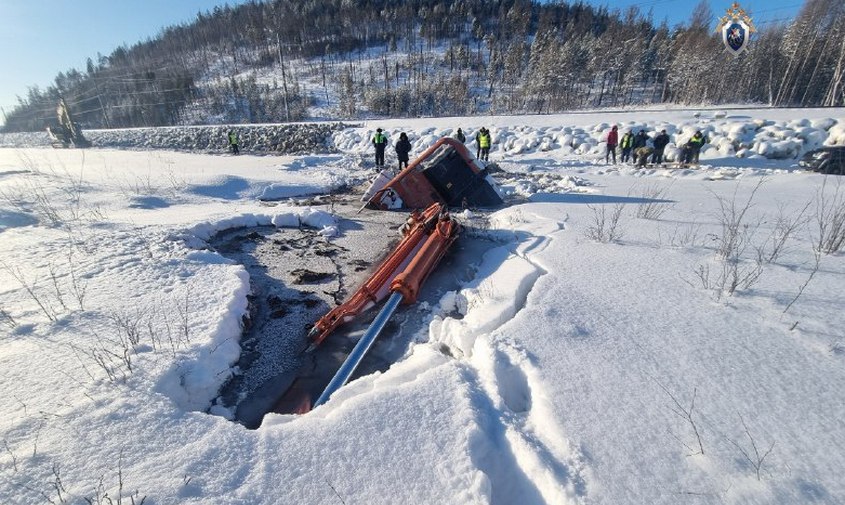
462	57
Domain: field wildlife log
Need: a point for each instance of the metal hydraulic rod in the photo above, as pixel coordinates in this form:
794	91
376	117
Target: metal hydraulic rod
404	287
346	370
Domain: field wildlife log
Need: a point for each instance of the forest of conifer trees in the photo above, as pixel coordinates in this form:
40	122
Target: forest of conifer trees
357	58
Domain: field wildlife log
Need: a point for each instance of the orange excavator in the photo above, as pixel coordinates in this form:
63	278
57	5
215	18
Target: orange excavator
445	175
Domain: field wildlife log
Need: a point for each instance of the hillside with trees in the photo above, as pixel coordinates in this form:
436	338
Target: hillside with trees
281	61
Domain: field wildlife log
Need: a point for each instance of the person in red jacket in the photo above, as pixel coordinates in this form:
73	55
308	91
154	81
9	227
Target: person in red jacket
612	142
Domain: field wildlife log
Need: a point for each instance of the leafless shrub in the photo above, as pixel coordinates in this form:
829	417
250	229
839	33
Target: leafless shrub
733	275
73	188
7	319
683	235
830	220
53	300
128	327
703	274
813	270
736	231
114	357
736	269
57	484
101	496
686	413
56	288
12	454
334	491
786	224
28	163
184	310
139	185
605	228
176	332
33	291
31	198
45	207
152	331
757	458
78	287
14	199
653	207
740	273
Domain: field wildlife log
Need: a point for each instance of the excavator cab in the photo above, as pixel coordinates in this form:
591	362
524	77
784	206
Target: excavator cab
446	173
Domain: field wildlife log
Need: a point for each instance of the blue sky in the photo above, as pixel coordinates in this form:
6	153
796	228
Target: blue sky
43	37
678	11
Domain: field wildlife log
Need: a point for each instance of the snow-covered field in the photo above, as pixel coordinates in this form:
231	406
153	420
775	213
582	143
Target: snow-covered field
631	336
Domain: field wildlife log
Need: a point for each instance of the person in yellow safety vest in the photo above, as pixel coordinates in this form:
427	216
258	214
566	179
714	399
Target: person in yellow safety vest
233	141
627	144
484	142
380	141
695	144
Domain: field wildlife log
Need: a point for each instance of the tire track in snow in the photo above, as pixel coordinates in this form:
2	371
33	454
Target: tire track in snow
525	455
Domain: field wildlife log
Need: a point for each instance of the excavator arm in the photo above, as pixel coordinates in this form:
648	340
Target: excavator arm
419	226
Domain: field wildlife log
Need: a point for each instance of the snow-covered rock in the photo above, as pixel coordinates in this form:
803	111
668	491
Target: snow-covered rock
836	135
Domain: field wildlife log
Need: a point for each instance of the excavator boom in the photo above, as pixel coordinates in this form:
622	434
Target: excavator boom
378	286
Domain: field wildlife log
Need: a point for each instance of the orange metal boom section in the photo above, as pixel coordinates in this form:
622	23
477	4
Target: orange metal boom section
409	281
414	254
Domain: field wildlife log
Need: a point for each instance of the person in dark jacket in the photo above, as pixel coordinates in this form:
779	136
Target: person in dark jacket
403	147
460	136
627	144
380	141
639	141
612	142
660	143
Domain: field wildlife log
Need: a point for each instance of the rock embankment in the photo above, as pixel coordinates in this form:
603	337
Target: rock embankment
299	138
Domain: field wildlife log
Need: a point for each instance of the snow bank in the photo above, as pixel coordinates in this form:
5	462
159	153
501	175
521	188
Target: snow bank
195	381
278	138
291	217
726	136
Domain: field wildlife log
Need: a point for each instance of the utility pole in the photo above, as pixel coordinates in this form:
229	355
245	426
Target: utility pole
284	77
100	100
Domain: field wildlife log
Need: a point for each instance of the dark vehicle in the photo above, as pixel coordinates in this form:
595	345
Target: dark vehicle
827	160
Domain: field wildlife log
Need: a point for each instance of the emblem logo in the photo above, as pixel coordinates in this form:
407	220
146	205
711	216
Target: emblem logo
736	29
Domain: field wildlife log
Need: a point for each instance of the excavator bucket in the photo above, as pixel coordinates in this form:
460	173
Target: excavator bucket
446	173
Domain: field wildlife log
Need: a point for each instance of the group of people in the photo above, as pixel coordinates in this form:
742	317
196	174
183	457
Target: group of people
483	141
637	148
640	148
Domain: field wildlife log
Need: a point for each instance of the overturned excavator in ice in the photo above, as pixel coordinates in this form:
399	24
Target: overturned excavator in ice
445	175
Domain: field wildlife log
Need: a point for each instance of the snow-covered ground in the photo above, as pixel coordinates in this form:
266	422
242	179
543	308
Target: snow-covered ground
603	352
